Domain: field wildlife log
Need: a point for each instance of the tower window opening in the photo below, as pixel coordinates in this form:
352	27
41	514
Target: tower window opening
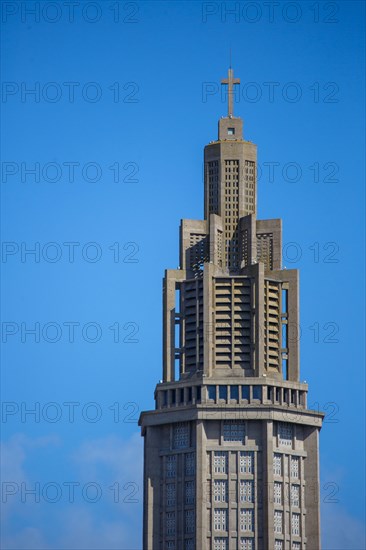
176	366
223	392
181	435
234	431
211	392
285	434
245	392
284	335
284	300
234	392
284	368
189	395
198	393
246	462
170	523
257	392
270	393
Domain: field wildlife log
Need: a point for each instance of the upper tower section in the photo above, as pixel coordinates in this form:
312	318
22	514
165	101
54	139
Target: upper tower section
230	309
230	178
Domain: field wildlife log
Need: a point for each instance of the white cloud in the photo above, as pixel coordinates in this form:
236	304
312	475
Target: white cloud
341	529
14	454
29	538
13	473
83	530
79	525
122	458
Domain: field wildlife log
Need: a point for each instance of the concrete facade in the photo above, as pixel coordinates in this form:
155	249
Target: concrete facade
231	450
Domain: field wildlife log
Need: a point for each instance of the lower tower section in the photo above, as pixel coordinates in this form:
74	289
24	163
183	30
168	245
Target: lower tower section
231	467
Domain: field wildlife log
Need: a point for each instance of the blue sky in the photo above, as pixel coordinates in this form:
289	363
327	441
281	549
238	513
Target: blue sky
126	95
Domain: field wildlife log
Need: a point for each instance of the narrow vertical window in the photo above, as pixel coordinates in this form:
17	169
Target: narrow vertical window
171	466
246	462
180	435
277	464
170	494
277	493
190	492
278	521
285	434
295	524
220	491
189	521
246	520
220	519
294	467
234	431
246	491
220	462
295	495
170	523
190	464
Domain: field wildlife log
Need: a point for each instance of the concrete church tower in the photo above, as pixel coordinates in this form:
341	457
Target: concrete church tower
231	455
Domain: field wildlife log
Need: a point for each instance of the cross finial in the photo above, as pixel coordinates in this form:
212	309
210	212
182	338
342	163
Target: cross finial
230	81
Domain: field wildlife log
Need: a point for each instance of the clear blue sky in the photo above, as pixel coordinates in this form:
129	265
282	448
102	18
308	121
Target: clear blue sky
126	96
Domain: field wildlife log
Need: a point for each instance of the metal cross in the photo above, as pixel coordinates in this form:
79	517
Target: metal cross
230	81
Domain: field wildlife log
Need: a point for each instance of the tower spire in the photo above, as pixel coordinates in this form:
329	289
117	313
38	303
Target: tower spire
230	81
